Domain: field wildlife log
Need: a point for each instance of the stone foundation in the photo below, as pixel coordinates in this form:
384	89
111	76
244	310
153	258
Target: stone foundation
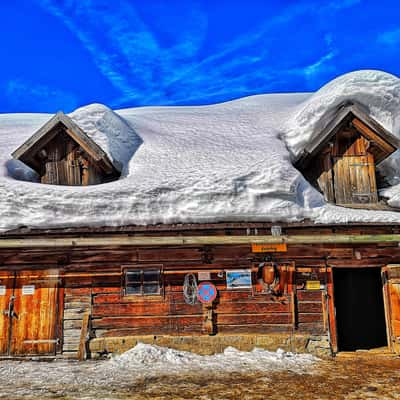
207	345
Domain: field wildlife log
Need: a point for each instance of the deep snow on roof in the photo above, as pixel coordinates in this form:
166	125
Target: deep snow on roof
225	162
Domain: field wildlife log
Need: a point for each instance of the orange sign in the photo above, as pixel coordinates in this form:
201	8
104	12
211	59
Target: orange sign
313	285
268	248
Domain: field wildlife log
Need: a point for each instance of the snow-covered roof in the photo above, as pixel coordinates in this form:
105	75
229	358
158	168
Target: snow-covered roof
225	162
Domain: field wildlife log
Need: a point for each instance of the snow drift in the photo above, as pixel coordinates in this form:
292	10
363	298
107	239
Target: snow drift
152	358
225	162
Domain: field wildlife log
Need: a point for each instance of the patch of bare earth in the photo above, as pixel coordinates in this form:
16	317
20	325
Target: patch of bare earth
334	379
350	378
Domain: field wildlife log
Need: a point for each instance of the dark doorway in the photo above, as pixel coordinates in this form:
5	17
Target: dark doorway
360	315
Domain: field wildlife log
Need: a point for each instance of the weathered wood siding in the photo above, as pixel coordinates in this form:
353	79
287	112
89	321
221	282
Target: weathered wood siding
91	281
66	163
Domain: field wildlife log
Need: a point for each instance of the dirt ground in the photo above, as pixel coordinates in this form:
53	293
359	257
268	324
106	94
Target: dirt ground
349	378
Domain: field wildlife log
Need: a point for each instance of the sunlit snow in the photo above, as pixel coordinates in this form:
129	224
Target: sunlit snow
226	162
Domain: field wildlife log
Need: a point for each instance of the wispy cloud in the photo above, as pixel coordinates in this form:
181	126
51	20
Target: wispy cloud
35	97
145	69
316	67
106	61
390	38
343	4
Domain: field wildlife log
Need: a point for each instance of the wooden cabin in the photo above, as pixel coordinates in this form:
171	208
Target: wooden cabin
91	291
341	160
63	154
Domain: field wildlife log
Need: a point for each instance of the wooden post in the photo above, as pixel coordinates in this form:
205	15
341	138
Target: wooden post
82	353
208	318
331	310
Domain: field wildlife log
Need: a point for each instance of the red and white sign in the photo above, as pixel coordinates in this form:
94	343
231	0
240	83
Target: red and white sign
206	292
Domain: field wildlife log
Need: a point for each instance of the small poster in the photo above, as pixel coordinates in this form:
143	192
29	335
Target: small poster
28	289
2	290
313	285
204	276
238	279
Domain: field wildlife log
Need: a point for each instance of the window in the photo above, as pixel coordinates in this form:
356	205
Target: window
142	281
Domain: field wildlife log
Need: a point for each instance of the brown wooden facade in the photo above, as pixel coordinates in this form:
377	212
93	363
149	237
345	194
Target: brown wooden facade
56	299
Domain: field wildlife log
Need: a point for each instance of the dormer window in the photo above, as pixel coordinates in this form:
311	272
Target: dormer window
63	154
341	160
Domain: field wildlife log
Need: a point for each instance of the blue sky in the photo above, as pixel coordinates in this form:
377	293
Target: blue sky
62	54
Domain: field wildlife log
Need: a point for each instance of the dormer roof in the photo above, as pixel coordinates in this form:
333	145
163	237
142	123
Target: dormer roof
28	150
382	141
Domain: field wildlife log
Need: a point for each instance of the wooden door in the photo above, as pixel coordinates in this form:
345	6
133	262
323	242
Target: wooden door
354	179
29	312
35	307
6	293
391	290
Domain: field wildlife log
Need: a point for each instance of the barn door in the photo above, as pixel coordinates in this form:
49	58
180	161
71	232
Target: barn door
29	312
391	289
355	181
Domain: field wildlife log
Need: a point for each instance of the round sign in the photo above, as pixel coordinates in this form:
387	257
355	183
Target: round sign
206	292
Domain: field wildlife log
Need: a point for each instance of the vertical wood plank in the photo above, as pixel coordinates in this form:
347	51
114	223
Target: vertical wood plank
82	353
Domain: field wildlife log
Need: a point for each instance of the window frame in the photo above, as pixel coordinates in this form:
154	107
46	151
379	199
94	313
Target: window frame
141	269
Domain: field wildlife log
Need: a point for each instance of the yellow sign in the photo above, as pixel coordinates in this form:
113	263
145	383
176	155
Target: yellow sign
313	285
268	248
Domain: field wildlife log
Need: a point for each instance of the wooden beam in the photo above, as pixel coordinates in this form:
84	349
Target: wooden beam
194	240
370	134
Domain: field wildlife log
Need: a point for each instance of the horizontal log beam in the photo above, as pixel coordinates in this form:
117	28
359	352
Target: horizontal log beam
195	240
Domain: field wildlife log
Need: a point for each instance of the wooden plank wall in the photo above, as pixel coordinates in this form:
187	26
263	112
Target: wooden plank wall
92	281
77	301
68	164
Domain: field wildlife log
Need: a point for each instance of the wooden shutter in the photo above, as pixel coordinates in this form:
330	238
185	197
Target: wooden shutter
391	291
355	181
62	173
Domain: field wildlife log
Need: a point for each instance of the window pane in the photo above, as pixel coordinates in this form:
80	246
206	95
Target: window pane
133	288
151	275
133	276
151	288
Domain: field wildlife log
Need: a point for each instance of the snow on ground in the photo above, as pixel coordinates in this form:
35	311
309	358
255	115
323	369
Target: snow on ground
150	372
144	361
224	162
147	358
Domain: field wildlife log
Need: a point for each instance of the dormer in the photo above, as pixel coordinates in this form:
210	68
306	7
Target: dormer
341	160
63	154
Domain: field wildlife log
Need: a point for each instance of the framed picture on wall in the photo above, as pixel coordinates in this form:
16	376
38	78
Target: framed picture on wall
238	279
